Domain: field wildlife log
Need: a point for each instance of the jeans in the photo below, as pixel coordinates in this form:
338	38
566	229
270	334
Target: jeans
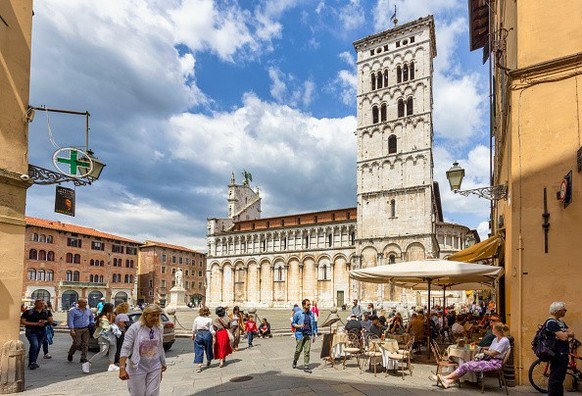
203	343
250	336
35	338
558	366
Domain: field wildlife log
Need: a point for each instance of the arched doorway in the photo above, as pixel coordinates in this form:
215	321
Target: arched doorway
68	299
41	294
197	299
120	297
94	298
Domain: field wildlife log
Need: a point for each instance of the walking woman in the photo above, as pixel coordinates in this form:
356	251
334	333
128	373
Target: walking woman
123	322
105	337
236	325
222	346
142	357
203	335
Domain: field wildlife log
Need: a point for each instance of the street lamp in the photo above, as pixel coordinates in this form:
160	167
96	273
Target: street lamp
493	193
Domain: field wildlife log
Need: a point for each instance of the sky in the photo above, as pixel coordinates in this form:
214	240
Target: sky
184	92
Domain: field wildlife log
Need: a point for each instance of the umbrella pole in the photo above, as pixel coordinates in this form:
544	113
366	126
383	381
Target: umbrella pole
428	322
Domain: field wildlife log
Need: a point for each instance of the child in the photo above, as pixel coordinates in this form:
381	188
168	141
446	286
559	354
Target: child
265	329
251	329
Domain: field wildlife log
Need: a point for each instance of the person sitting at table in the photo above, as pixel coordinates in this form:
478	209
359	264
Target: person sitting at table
375	327
353	325
382	321
366	322
494	356
489	336
458	327
396	327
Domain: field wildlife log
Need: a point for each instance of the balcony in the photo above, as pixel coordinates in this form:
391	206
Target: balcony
83	284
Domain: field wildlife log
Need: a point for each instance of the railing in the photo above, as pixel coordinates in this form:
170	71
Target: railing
82	284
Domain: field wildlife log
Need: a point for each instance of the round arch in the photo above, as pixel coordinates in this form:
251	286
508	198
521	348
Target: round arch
41	294
94	298
68	298
120	297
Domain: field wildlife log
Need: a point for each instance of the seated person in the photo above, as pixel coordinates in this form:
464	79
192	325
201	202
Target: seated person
375	327
366	322
382	320
458	327
353	325
396	327
265	329
416	326
496	352
489	336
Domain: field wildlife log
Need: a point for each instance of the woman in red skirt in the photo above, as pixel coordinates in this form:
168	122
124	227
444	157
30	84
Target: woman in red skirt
222	344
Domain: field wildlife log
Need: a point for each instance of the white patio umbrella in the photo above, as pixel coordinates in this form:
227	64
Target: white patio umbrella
444	274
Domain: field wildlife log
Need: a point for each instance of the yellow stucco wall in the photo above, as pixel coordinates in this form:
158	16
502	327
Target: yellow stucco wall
15	36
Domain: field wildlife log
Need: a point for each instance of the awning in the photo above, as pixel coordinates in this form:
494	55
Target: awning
487	249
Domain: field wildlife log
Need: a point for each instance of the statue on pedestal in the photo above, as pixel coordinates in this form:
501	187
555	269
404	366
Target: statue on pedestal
178	278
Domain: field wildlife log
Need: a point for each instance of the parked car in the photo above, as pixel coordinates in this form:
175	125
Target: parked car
169	331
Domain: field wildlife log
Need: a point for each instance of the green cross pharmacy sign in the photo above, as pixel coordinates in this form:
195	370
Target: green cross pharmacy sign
72	162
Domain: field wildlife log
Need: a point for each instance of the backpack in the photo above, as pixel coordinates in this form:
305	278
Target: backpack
542	346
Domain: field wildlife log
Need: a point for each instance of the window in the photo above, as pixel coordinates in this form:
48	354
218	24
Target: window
179	260
151	283
69	276
117	248
163	258
163	270
31	274
374	114
76	276
352	238
379	79
163	283
49	239
383	112
392	145
200	285
101	263
329	240
199	273
50	256
405	73
385	78
412	40
409	106
97	245
398	44
392	208
399	74
298	220
42	238
263	245
69	258
323	273
373	81
50	275
306	241
173	259
131	250
282	223
127	280
40	275
42	255
33	254
279	274
284	243
411	70
77	259
400	108
74	242
392	259
186	273
34	237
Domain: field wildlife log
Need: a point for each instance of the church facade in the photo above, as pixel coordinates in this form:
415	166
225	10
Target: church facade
278	261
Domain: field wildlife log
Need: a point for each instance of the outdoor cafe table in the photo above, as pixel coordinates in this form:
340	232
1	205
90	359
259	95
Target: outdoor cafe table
463	354
402	339
387	346
338	342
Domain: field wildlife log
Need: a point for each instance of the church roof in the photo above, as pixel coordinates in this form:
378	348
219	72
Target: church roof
169	246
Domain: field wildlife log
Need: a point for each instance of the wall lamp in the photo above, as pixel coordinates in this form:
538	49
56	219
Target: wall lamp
455	177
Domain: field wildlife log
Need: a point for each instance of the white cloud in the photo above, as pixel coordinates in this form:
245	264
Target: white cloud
409	10
286	89
351	16
278	87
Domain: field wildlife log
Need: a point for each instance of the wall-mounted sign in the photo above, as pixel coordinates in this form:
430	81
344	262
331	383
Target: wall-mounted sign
579	159
565	192
65	201
72	162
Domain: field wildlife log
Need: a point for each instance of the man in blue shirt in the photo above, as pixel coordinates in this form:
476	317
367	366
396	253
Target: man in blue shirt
80	319
304	324
100	305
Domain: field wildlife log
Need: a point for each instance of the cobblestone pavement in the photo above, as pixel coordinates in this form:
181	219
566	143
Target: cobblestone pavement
268	365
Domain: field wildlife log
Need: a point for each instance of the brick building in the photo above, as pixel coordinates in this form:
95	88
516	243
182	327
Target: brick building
158	264
64	262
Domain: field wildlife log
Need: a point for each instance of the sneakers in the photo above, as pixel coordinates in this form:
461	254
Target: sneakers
113	367
85	367
294	364
47	356
33	366
70	357
307	370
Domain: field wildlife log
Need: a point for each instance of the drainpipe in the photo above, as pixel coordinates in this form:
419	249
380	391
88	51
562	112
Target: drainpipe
520	310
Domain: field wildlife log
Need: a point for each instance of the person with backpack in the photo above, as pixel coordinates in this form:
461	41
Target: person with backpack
35	320
557	328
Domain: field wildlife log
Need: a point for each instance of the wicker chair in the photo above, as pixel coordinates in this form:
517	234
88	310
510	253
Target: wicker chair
354	347
374	352
402	358
441	360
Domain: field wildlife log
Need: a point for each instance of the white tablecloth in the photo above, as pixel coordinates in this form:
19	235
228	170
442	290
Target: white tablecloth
462	355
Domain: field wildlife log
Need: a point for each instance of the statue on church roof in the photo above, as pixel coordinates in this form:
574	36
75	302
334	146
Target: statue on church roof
247	177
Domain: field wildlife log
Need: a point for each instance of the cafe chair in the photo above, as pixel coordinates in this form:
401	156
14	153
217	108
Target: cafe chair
442	360
374	352
354	348
401	358
495	373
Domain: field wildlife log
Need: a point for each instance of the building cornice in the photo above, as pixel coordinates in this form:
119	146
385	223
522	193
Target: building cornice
557	65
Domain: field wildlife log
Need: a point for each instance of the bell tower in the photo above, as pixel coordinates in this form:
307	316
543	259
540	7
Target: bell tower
395	193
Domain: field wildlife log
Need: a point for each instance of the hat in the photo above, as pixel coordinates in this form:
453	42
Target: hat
102	298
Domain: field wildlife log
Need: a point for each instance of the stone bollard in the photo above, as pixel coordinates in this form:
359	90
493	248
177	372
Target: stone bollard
12	367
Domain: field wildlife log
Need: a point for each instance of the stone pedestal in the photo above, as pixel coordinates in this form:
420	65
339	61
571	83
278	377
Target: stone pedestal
177	303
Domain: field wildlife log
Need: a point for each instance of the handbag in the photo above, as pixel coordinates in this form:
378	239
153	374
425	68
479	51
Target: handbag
115	330
230	335
481	356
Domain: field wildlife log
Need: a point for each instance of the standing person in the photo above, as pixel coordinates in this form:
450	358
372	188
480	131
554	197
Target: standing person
142	359
50	332
315	311
100	305
236	325
357	310
123	322
222	346
34	320
107	340
304	324
557	328
79	319
203	335
251	329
